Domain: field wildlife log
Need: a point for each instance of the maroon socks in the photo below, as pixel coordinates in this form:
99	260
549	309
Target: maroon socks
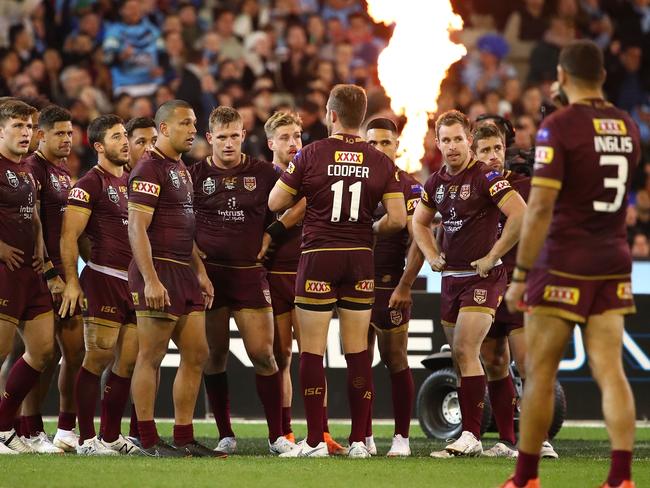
502	400
472	398
269	390
86	390
312	381
116	394
216	387
403	392
359	393
21	380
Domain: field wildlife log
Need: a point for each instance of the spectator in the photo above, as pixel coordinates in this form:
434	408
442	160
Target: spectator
524	28
198	88
313	128
294	71
224	26
545	55
525	130
340	10
131	49
360	35
191	30
485	69
626	86
640	247
9	67
21	41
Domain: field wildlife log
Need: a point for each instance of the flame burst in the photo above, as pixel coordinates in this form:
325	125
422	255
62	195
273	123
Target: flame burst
414	64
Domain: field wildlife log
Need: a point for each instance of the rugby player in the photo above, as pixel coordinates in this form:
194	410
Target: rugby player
391	311
142	137
573	264
469	196
343	179
27	307
97	206
283	132
231	192
168	283
49	168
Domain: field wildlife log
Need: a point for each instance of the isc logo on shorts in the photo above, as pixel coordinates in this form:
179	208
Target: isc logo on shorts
348	157
365	285
315	390
544	154
562	294
498	186
146	187
79	194
4	302
108	309
317	286
612	127
624	291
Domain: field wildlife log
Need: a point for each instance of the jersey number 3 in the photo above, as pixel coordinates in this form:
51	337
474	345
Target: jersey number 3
618	183
355	189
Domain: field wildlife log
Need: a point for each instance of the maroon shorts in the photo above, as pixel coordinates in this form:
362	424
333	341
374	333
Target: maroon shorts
576	298
506	323
471	294
342	277
182	286
239	288
108	299
386	318
23	295
282	285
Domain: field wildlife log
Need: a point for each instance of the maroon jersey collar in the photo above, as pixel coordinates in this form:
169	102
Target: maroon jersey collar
594	102
472	162
346	137
157	151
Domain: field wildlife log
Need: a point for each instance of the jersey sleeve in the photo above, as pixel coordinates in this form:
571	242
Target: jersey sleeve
144	187
496	187
412	191
428	192
549	158
393	186
84	194
40	176
291	179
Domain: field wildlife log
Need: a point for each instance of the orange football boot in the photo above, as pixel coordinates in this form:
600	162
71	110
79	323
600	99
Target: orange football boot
531	484
333	447
290	437
625	484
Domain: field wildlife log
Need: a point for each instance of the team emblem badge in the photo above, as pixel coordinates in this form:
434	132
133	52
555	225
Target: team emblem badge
480	296
465	191
440	194
229	182
250	183
209	186
453	190
12	178
395	317
173	176
267	296
112	194
55	182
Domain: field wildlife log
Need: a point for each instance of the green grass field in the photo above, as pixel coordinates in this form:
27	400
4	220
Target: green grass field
583	462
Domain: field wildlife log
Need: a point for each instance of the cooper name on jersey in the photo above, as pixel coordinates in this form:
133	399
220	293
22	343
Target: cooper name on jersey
348	163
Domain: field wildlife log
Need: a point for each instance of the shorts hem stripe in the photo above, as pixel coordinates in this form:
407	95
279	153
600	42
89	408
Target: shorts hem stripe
155	315
9	318
392	330
619	311
169	260
447	324
337	249
557	312
103	322
562	274
488	310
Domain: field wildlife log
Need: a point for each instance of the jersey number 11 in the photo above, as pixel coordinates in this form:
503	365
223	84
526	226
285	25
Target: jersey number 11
355	189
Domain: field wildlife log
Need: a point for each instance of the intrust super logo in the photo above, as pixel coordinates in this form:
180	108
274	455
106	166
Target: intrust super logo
562	294
146	187
365	285
348	157
317	286
79	195
611	127
498	186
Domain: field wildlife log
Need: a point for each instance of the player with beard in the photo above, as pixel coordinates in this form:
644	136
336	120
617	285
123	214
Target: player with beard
283	132
343	179
142	137
470	198
97	206
25	302
49	168
167	279
231	191
391	311
574	264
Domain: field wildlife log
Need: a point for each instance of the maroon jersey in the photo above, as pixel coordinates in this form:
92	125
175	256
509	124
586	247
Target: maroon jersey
390	251
163	187
343	179
232	209
54	184
469	203
17	198
104	198
588	151
521	183
285	253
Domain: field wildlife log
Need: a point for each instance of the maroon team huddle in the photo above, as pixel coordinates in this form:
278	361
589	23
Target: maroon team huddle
173	252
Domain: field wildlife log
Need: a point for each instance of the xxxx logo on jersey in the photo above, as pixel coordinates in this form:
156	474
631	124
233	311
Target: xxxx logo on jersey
365	285
411	204
499	186
613	127
79	194
146	187
317	286
348	157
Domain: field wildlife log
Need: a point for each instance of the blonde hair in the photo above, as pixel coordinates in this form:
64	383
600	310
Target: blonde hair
281	119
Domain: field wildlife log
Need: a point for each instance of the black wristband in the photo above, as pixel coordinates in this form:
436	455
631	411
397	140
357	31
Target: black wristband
276	230
51	274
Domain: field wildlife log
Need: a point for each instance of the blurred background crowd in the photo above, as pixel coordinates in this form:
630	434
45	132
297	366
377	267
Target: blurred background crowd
128	57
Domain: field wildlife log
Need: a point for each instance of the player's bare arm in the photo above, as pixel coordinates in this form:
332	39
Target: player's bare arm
536	222
401	297
395	218
74	223
422	219
39	244
290	218
156	296
514	209
199	268
280	199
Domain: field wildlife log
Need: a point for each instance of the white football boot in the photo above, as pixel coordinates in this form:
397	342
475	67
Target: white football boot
400	447
66	440
95	447
465	445
41	444
358	450
281	445
227	445
501	450
303	449
371	446
547	451
123	446
11	441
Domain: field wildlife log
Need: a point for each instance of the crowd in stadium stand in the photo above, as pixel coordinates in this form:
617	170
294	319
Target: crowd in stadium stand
128	57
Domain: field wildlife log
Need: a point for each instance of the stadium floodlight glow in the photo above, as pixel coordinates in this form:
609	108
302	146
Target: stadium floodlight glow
414	64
